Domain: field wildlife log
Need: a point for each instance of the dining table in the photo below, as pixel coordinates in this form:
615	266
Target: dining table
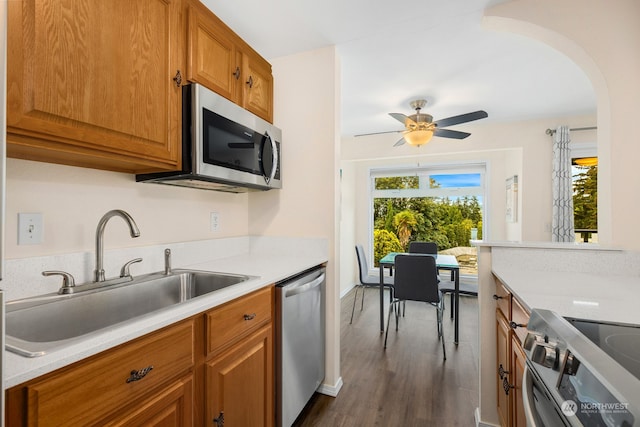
443	262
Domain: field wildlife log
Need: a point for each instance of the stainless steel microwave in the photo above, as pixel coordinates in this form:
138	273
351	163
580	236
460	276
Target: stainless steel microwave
224	147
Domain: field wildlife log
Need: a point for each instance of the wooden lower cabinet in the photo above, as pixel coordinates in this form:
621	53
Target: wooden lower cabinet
178	376
239	383
511	329
503	368
518	360
171	406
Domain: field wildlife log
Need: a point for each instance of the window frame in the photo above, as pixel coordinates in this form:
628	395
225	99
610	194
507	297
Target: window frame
424	171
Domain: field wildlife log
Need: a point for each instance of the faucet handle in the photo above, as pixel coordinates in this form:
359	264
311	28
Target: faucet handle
68	282
124	271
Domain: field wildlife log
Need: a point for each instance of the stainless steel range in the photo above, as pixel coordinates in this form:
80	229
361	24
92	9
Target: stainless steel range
581	373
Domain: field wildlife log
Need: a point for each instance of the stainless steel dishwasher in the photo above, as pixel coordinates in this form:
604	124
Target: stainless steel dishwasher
300	342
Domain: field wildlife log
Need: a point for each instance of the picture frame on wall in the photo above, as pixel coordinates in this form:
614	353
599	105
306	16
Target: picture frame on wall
512	199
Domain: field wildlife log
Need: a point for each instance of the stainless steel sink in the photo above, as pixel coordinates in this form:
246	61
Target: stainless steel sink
35	326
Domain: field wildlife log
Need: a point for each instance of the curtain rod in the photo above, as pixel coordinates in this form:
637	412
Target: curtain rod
552	131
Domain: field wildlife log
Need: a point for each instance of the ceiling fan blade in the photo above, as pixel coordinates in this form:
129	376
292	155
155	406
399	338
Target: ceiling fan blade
447	133
462	118
399	117
379	133
400	142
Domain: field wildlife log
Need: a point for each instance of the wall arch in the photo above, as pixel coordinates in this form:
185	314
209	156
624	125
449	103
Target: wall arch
545	25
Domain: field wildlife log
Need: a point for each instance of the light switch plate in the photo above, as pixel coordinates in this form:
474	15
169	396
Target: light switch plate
30	229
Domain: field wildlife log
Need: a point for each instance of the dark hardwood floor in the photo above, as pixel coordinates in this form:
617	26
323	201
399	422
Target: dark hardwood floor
408	384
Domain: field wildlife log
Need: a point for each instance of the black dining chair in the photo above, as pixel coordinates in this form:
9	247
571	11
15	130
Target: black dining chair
446	287
367	280
416	279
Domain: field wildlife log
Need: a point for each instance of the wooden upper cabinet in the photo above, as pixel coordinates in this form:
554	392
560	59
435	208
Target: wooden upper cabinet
211	54
258	86
220	60
89	83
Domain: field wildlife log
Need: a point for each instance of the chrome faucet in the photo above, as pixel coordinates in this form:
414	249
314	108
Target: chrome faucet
133	228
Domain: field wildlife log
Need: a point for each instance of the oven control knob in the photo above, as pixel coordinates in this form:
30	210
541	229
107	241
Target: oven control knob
545	354
530	340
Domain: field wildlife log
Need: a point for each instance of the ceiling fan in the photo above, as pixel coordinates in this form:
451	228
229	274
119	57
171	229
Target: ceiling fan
420	128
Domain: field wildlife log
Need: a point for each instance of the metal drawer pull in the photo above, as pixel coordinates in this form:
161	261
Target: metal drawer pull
496	297
249	316
137	375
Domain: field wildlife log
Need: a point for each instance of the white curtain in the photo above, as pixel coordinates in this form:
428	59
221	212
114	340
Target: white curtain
562	221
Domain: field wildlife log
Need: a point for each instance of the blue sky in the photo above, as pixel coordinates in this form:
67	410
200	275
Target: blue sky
457	180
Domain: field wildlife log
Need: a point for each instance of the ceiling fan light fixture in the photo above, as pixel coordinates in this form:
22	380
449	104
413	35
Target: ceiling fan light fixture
418	137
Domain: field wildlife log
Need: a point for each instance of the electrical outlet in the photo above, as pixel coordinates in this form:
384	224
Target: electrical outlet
30	229
215	221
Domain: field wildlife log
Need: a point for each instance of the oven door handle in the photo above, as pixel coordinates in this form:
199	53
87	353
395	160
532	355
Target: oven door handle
528	400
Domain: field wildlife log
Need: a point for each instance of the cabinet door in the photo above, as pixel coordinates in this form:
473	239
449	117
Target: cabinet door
212	58
239	384
170	407
89	83
258	85
503	367
518	361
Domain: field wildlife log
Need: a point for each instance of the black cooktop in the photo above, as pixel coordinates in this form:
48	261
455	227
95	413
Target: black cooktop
621	342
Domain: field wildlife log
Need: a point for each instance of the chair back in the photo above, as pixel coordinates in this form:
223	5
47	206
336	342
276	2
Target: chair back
416	278
423	248
362	264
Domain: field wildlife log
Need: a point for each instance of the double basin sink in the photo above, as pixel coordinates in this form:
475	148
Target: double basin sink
38	325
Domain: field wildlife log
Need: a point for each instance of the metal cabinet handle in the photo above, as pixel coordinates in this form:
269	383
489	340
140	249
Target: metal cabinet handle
506	386
514	325
496	297
502	372
236	73
219	420
249	316
250	82
177	78
138	374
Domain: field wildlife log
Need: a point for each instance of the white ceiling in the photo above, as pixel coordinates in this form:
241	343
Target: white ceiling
394	52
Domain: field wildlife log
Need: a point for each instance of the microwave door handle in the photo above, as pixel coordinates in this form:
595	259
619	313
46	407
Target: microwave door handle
274	158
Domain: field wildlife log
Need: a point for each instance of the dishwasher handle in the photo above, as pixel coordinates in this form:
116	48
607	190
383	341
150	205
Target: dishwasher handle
304	287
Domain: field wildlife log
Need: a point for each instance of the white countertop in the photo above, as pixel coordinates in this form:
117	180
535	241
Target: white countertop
268	268
612	298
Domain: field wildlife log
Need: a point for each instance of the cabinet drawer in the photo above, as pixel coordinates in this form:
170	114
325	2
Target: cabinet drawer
503	299
519	316
92	389
235	319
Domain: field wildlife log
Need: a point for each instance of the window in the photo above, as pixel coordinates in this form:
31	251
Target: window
437	204
585	198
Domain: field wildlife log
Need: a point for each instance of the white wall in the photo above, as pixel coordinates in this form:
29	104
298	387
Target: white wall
603	38
72	200
307	108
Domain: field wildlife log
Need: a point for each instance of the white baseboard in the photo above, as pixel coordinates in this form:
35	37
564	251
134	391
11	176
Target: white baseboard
345	292
479	423
331	390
